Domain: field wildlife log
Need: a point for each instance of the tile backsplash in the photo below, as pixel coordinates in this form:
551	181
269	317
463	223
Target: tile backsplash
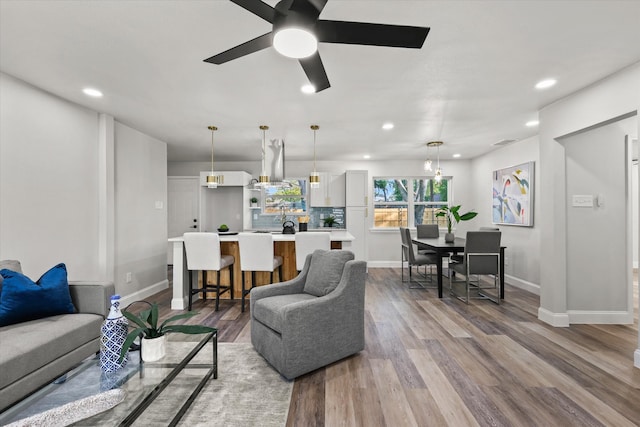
316	215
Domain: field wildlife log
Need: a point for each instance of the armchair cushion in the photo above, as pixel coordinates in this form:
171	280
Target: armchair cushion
325	271
271	311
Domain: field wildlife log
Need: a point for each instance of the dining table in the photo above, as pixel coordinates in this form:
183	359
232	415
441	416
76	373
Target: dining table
443	249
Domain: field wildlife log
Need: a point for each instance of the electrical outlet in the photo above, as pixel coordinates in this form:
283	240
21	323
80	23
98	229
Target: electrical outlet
128	278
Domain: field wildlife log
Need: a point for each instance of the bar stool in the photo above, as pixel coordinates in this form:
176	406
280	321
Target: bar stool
256	254
203	254
306	243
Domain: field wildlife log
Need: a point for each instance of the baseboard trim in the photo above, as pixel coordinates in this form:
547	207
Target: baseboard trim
522	284
143	293
600	317
636	358
559	320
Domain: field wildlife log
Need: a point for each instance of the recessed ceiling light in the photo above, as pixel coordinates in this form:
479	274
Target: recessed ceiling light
366	156
532	123
455	156
92	92
545	84
308	89
387	126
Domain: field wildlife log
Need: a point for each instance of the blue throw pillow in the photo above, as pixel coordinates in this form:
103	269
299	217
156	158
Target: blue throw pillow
22	299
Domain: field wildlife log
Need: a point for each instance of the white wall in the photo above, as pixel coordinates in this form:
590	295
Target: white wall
522	256
48	181
141	211
613	97
67	197
597	275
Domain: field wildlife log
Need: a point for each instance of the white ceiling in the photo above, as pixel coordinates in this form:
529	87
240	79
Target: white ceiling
470	85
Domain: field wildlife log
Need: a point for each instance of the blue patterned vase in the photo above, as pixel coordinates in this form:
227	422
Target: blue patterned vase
113	336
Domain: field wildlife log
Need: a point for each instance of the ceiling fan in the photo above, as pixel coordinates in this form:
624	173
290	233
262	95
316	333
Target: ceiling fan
297	30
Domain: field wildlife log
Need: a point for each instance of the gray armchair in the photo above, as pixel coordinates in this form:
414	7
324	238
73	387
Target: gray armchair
313	320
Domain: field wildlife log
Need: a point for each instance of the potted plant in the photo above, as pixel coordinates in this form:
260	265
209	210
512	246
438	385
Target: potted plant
453	215
152	345
329	221
254	202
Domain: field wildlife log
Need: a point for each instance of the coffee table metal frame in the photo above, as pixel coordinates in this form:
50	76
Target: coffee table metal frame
176	369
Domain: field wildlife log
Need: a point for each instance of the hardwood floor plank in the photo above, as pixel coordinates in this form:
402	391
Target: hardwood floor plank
393	400
451	406
439	362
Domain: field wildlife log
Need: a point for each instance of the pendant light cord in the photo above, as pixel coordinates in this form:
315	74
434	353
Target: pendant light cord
314	128
213	129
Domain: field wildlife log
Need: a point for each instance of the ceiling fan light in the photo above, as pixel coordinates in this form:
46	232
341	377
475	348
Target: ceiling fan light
295	42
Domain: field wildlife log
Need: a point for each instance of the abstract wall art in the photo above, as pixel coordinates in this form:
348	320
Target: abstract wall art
513	195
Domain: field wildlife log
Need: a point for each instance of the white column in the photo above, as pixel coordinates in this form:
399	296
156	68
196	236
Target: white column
180	277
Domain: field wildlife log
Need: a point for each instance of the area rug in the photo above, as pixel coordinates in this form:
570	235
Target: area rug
248	392
73	412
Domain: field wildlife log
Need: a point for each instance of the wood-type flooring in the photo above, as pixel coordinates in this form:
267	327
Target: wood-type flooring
432	362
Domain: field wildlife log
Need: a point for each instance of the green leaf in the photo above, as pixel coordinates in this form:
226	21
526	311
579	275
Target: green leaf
135	319
177	317
189	329
468	216
127	343
154	316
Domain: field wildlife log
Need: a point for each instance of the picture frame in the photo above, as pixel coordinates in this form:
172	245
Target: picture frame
512	195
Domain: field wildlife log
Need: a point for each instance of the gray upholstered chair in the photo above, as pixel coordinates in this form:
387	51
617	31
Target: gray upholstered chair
481	257
313	320
414	259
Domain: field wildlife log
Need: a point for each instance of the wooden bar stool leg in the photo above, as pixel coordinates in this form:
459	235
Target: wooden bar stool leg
204	285
190	288
242	310
232	297
217	290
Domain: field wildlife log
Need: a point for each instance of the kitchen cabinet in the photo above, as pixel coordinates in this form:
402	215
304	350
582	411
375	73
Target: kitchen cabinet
331	192
357	188
357	211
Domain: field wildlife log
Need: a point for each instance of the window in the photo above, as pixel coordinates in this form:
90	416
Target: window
399	202
288	198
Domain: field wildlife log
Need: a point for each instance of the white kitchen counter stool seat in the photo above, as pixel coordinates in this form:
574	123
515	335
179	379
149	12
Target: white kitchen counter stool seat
306	243
203	254
257	254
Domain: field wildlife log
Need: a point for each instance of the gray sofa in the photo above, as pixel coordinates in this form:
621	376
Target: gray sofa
36	352
314	319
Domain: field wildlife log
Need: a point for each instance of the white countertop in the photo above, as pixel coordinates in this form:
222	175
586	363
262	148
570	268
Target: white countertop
336	236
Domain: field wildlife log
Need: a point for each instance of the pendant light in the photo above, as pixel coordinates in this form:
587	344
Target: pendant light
212	179
427	163
264	178
438	175
314	178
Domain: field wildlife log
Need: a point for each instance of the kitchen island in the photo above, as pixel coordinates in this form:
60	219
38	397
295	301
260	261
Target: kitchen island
284	246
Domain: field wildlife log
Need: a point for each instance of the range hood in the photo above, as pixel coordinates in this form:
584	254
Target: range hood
274	162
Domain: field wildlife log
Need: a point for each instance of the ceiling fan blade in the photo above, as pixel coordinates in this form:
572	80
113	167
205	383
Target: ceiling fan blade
259	43
311	8
258	8
371	34
315	72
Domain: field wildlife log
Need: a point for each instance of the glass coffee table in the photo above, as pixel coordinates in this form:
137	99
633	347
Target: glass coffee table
169	385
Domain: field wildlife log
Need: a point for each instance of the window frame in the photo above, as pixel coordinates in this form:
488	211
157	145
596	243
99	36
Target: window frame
410	204
304	199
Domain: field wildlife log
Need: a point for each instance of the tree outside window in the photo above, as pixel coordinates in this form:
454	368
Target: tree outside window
402	201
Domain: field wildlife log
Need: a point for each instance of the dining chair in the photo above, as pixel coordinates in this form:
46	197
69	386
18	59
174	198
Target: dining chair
203	254
481	258
306	243
427	231
413	259
257	254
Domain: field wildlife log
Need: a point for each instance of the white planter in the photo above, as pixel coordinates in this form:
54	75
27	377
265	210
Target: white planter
153	349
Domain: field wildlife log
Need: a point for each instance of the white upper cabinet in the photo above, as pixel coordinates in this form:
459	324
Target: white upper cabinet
356	188
331	192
